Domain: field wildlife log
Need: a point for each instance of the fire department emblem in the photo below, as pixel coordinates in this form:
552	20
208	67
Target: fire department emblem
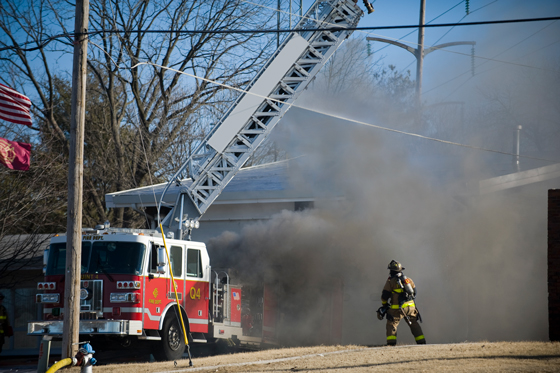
7	152
155	301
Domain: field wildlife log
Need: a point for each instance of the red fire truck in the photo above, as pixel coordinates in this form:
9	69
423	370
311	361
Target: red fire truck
126	289
126	293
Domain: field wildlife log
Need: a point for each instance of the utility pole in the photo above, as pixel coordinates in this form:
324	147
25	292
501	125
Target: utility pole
70	336
278	24
516	143
420	52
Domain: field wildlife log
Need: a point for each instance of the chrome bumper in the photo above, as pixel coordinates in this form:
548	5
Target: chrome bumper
113	327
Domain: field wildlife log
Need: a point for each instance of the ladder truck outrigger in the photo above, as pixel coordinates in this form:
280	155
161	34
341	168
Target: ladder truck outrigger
126	291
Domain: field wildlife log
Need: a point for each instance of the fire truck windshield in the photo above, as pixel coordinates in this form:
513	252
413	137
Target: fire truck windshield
102	257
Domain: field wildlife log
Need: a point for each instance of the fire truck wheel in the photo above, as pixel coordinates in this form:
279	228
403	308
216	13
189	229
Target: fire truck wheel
172	344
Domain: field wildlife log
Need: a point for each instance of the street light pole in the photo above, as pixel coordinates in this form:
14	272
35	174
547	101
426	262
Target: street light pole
420	52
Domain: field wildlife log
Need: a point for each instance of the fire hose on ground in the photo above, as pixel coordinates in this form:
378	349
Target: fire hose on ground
61	364
83	358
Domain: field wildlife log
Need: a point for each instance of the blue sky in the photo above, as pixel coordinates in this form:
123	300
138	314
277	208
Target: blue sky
447	72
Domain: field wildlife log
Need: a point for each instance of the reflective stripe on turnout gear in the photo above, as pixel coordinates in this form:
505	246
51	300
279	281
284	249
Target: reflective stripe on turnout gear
405	304
419	337
3	317
397	290
391	337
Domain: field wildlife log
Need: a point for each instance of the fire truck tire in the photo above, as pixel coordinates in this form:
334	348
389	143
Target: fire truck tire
172	344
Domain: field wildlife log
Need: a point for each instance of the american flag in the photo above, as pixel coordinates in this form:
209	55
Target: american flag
14	107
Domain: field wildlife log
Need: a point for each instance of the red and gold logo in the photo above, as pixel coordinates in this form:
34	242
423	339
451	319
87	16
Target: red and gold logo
155	294
7	152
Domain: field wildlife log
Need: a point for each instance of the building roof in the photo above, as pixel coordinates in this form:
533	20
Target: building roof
517	179
23	251
269	182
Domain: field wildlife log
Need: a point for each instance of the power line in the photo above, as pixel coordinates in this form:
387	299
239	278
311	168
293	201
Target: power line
485	71
495	60
348	119
42	44
484	6
429	22
332	29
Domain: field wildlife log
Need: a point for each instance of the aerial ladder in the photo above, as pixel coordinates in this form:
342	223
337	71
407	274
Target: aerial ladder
253	115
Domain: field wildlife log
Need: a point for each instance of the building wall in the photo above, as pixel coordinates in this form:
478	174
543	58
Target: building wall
18	283
233	217
21	306
554	264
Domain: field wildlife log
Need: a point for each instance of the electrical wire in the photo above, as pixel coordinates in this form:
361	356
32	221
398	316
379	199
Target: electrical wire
433	45
43	43
487	70
67	35
332	29
349	119
147	166
477	9
494	59
413	31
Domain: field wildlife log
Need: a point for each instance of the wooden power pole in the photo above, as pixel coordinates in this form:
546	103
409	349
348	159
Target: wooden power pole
71	329
420	52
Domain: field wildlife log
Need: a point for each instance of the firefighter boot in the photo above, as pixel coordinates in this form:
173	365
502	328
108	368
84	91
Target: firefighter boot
393	319
416	329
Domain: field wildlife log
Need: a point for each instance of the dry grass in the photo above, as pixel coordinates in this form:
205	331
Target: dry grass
462	357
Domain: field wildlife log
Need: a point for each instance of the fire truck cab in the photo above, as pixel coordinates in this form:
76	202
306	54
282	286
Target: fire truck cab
126	287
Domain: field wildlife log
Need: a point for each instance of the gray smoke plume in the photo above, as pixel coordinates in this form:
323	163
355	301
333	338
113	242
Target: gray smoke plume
479	262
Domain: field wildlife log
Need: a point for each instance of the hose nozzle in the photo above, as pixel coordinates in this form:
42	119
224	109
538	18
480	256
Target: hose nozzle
368	6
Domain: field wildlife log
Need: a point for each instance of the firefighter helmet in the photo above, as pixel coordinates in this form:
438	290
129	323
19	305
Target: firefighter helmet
395	266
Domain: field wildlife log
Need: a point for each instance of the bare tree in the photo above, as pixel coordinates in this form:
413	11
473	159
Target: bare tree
145	106
32	206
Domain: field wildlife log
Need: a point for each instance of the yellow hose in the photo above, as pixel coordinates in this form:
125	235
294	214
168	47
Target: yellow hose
174	288
60	364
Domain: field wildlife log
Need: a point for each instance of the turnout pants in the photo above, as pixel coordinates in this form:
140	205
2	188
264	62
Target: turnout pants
394	316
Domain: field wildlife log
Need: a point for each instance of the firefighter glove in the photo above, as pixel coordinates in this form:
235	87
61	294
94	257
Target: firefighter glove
382	311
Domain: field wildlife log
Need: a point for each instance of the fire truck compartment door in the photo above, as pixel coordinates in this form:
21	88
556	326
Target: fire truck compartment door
115	327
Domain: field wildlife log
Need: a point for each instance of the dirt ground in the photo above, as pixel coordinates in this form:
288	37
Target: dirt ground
461	357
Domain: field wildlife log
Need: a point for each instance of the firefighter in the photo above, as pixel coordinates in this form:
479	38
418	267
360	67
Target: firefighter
400	291
5	328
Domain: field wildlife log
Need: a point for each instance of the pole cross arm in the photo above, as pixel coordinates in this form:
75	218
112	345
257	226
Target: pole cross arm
445	45
398	44
426	50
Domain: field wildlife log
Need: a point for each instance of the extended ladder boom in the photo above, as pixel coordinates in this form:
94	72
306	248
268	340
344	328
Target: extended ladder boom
253	115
